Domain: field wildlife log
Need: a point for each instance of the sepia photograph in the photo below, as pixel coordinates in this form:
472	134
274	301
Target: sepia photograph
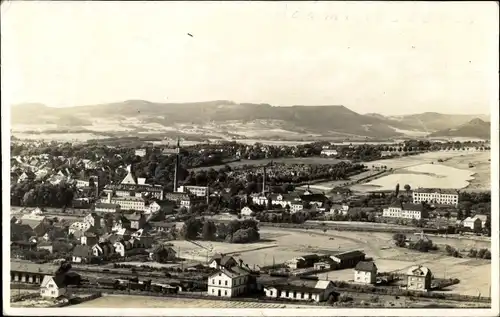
250	158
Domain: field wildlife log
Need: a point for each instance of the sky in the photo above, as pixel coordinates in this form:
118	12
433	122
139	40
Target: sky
389	58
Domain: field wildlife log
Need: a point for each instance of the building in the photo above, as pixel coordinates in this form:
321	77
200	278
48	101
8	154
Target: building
79	226
89	238
141	152
199	191
419	278
297	289
36	222
81	254
246	211
329	152
228	282
406	211
93	219
107	208
103	249
163	253
27	272
303	261
473	223
54	286
348	259
26	176
365	272
483	219
137	220
435	196
221	260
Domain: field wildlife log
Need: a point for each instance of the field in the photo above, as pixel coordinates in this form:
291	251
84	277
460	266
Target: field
285	244
425	171
125	301
286	160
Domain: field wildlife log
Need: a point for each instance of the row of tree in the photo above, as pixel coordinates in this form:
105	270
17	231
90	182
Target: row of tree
236	231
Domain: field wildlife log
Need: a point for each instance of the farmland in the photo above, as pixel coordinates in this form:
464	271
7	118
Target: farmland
284	160
286	244
125	301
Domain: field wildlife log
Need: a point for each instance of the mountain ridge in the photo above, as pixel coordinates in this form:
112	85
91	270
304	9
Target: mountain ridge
315	119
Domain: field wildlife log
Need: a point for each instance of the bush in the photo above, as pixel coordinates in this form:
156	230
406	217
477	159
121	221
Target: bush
344	298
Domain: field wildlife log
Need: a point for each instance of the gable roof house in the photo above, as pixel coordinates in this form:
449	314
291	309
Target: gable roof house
54	286
221	260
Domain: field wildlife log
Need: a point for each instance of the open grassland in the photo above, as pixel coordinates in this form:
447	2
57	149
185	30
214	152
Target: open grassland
125	301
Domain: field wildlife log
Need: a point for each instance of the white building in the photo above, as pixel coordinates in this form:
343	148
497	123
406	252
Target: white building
246	211
435	196
365	273
301	290
53	286
329	152
405	211
473	223
228	282
199	191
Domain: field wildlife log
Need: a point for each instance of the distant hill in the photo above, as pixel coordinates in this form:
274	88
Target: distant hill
223	117
476	128
433	121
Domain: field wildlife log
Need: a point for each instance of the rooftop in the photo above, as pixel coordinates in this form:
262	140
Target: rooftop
436	190
365	266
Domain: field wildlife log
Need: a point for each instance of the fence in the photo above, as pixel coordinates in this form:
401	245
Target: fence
395	291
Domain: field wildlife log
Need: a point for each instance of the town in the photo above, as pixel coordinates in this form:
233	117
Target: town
225	223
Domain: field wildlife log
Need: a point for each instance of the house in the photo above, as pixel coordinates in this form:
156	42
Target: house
348	259
120	222
228	282
419	278
93	219
105	207
37	223
79	226
162	226
122	248
26	176
365	272
221	260
297	289
473	223
246	211
435	196
81	254
329	152
137	220
483	219
89	238
54	286
303	261
103	249
406	211
162	253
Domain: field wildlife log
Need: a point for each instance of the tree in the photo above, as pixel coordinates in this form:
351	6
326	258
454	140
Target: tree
191	228
397	190
407	189
460	214
399	239
487	226
209	231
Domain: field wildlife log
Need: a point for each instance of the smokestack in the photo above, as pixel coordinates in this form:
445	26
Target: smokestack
177	161
241	262
264	181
